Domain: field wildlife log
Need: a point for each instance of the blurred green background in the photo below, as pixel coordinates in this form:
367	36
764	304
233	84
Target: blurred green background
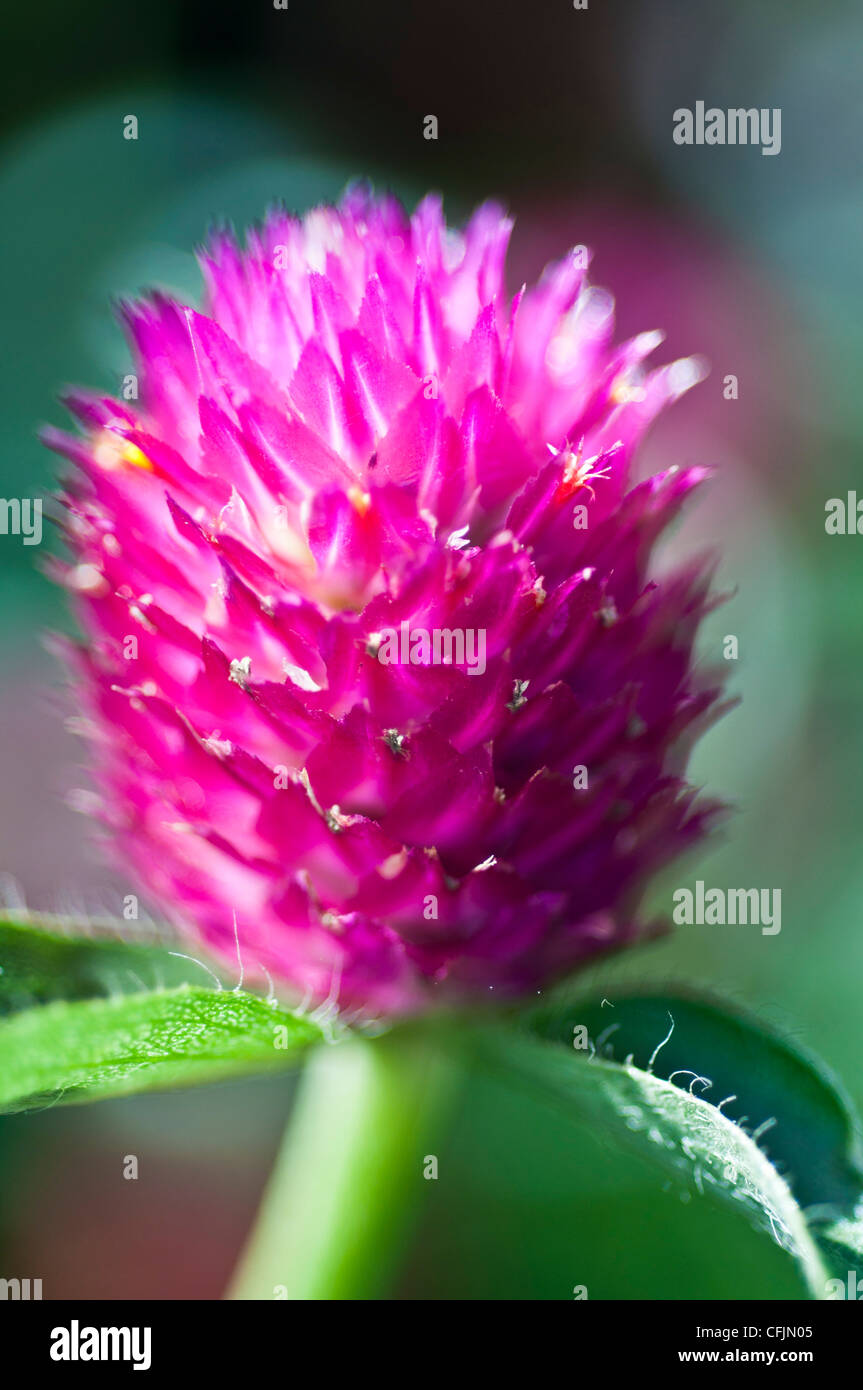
752	262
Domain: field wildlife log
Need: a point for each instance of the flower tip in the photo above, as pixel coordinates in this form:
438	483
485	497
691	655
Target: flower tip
685	373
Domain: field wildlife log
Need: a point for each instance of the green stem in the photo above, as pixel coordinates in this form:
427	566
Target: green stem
351	1169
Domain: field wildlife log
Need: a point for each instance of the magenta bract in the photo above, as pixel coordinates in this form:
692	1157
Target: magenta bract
372	664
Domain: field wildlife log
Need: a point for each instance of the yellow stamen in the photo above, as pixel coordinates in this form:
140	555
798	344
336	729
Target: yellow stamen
361	500
112	451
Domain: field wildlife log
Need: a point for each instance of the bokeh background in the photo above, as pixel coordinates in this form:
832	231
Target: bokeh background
751	261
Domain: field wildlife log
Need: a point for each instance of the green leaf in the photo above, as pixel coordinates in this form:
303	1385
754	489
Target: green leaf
93	1049
676	1132
768	1084
40	962
775	1093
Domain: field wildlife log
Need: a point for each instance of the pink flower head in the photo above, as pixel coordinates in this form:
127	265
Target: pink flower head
373	670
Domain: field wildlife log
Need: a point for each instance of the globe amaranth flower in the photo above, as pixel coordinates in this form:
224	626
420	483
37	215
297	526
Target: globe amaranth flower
373	669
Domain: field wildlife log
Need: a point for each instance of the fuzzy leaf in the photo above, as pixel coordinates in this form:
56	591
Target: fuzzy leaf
153	1040
789	1102
769	1084
674	1130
